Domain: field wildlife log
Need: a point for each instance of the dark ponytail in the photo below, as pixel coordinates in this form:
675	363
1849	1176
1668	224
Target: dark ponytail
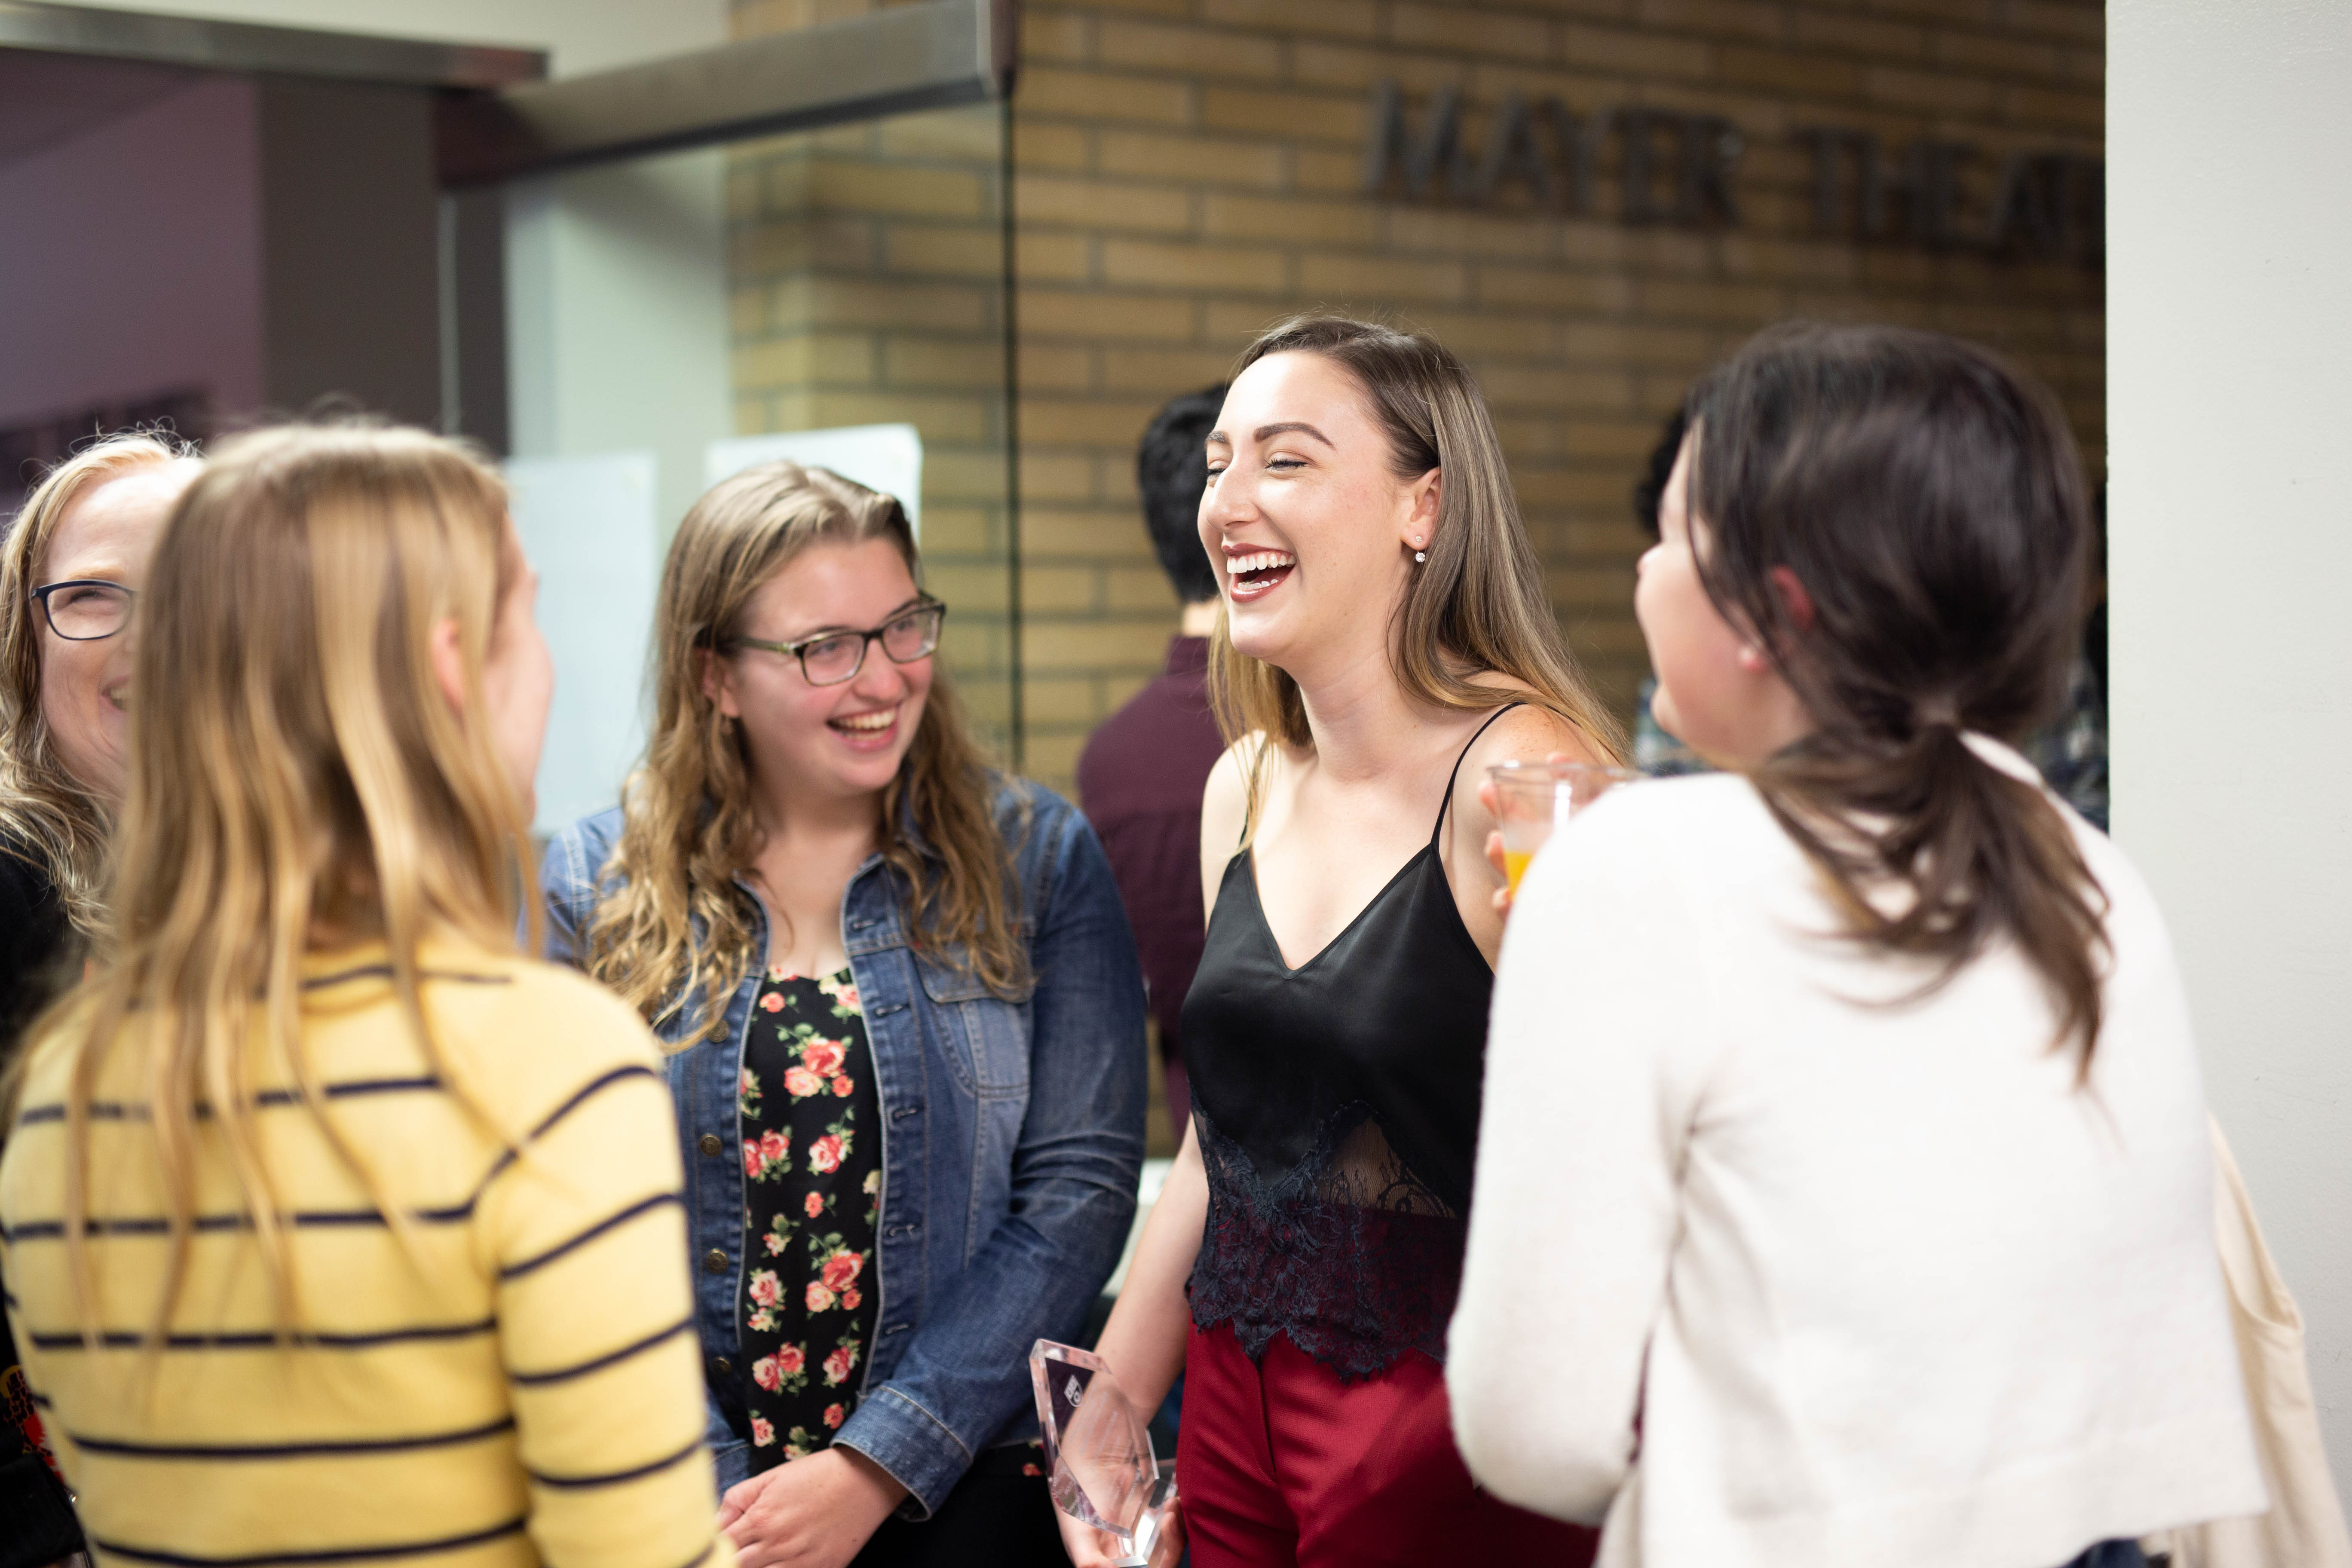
1931	502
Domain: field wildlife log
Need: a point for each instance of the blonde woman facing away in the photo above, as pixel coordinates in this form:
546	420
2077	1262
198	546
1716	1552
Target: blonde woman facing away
1385	637
1848	1163
906	1021
337	1231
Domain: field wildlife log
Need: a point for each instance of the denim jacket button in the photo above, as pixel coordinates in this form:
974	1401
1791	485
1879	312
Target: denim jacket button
714	1261
710	1144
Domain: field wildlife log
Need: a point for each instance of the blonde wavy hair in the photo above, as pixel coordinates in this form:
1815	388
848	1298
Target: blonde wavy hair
1477	607
297	779
671	925
45	811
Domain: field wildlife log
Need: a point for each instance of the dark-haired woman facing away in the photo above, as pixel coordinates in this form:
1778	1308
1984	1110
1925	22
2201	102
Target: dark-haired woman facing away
1385	637
1845	1173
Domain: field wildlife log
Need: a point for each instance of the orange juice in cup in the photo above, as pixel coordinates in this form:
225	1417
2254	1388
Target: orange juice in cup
1535	800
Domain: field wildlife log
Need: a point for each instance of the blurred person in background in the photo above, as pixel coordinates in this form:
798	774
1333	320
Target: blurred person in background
335	1229
1656	752
906	1027
1848	1177
1143	771
70	570
1386	637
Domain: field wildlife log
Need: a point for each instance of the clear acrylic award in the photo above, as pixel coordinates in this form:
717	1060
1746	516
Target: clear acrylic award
1098	1455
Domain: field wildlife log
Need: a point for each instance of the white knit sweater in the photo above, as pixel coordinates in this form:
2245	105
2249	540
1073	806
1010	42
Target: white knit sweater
1884	1288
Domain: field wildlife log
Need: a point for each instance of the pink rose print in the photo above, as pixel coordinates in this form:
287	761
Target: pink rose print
837	1365
812	1206
774	1001
841	1269
766	1289
841	1087
1031	1470
819	1299
825	1154
763	1158
790	1360
767	1375
764	1432
800	1083
850	1298
834	1415
824	1057
775	1241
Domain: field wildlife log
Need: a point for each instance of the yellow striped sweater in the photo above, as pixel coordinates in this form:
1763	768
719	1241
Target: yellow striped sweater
519	1383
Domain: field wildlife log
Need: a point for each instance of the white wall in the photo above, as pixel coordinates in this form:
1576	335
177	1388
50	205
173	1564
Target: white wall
2230	451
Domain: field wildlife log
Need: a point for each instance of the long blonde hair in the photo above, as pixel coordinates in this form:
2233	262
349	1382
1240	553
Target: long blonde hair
45	811
297	775
688	829
1477	606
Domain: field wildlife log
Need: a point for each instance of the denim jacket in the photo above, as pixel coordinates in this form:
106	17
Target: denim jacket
1011	1139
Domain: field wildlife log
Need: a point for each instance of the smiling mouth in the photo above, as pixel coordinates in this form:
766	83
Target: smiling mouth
120	696
1259	572
866	726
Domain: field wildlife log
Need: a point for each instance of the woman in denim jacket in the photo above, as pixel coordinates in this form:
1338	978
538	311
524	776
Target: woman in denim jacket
907	1026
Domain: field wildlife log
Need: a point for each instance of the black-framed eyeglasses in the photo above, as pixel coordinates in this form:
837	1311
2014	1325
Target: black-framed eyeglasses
829	659
85	609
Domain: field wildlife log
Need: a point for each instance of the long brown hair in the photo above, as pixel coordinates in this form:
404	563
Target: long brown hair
1477	606
1931	501
672	925
43	810
296	771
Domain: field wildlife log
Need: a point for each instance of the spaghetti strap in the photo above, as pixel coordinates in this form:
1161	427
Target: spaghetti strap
1451	777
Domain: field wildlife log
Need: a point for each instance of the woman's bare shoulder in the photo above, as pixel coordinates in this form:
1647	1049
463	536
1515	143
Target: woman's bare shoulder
1530	733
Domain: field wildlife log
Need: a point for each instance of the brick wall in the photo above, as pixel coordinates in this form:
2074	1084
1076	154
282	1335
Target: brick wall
1187	171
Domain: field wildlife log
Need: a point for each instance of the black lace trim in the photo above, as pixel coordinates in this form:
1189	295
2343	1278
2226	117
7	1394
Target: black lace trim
1346	1252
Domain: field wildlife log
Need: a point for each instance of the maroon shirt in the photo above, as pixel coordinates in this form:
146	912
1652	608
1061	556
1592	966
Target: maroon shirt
1139	782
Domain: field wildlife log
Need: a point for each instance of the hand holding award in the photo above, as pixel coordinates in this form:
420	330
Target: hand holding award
1098	1456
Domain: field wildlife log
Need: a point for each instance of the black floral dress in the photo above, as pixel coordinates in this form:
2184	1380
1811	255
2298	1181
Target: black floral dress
810	1121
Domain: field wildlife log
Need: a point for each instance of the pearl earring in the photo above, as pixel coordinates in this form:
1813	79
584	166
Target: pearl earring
1419	554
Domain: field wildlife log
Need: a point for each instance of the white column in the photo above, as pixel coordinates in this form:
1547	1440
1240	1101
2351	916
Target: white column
2229	414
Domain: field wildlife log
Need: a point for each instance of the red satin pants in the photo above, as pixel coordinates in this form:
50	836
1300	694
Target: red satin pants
1283	1465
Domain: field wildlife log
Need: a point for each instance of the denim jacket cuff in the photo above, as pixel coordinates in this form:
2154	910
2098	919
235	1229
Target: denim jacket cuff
918	1449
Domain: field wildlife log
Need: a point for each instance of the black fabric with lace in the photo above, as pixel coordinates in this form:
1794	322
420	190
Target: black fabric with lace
1337	1109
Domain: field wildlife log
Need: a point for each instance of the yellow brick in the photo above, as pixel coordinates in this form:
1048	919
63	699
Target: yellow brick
1847	32
938	417
1805	72
1733	18
1157	47
1064	422
1328	18
1203	160
1164	372
1227	268
1318	64
2039	106
1103	95
965	476
2082	21
967	250
1053	759
1473	332
1070	701
1917	91
1056	645
1369	279
1739	302
1454	29
1292	218
834	358
753	416
1138	588
1053	312
1049	369
1052	257
1570	487
1309	116
1631	343
1326	169
1998	56
932	361
1232	325
797	243
1552	287
974	134
1048	478
1061	37
1099	203
1634	54
840	186
1452	231
948	529
1516	386
1048	531
1045	145
966	587
1051	589
841	302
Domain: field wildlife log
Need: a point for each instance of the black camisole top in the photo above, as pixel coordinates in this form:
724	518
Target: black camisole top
1336	1105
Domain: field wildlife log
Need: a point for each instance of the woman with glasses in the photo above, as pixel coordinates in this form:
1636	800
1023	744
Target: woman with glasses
71	566
907	1021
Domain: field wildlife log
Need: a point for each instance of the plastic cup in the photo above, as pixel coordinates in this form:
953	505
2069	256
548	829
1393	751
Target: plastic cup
1535	800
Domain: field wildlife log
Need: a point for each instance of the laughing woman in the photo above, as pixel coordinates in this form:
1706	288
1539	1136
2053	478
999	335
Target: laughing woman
906	1022
1386	637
